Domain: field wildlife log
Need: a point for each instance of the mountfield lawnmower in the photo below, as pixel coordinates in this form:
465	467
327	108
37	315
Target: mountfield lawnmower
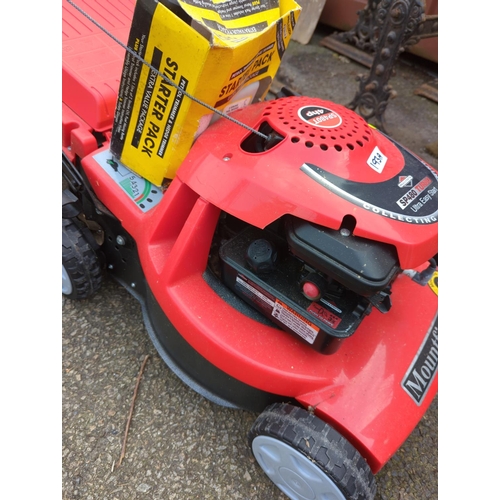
291	272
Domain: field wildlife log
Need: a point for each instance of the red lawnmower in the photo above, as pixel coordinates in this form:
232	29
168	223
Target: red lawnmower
291	272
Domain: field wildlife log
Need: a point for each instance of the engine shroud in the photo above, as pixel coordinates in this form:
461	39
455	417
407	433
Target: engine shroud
322	163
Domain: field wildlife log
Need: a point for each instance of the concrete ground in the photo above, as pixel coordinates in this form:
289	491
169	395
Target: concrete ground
181	446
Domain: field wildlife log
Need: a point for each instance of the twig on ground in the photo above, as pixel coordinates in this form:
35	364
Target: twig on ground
131	411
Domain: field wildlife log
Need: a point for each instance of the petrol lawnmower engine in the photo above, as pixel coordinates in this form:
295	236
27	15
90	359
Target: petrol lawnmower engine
314	282
347	210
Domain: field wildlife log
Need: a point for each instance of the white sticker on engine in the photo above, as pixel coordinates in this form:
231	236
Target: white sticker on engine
377	160
255	291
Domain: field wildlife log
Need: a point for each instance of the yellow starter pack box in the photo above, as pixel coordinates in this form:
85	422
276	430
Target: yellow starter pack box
223	52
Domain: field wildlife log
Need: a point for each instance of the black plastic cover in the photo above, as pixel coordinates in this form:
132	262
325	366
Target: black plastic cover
362	265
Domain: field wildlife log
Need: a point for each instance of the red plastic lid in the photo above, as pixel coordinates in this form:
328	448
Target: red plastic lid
93	61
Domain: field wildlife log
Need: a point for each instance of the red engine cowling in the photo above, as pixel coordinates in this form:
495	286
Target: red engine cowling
323	164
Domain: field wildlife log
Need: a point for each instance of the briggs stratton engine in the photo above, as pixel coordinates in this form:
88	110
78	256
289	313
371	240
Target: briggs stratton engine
314	282
318	218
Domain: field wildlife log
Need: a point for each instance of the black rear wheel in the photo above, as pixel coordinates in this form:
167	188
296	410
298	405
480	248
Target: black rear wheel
81	267
308	459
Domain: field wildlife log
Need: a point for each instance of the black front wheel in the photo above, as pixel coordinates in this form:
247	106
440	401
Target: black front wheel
81	268
308	459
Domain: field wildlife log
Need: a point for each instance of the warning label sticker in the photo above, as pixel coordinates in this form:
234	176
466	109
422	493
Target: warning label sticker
279	310
297	323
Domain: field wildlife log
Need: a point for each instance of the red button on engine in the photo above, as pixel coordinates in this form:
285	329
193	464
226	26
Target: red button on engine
311	291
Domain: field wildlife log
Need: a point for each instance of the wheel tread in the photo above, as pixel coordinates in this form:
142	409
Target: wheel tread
80	261
320	443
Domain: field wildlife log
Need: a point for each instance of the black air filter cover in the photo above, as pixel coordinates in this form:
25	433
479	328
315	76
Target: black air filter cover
364	266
